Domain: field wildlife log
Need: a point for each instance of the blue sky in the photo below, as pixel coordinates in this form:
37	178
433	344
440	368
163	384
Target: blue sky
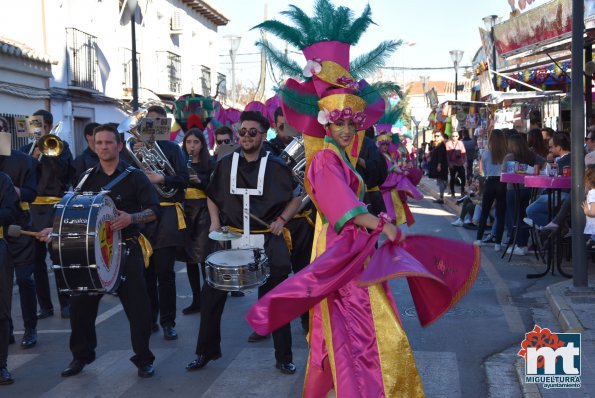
435	26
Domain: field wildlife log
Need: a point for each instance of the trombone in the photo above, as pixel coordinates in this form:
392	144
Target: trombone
49	144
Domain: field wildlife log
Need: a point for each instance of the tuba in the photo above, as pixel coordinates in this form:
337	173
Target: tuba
49	144
149	156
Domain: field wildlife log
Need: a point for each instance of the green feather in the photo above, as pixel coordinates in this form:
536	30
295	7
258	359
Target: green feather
302	21
367	64
339	25
286	65
290	34
306	104
359	26
377	90
391	115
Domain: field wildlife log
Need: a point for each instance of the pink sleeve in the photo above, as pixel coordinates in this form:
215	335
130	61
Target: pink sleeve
329	179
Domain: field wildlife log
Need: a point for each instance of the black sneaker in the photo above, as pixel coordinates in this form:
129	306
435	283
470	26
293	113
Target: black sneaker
439	201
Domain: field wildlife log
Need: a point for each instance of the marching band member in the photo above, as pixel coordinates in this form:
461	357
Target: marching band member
21	169
194	252
8	208
53	179
276	206
88	158
137	203
166	235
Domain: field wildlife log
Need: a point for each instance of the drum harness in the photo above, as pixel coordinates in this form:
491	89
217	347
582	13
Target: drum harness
143	242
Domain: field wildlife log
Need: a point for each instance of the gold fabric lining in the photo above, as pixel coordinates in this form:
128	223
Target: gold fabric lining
328	339
399	209
179	212
399	372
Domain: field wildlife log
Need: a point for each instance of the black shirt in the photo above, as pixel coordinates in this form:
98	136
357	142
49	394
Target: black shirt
133	194
375	172
21	169
202	174
54	173
82	163
8	202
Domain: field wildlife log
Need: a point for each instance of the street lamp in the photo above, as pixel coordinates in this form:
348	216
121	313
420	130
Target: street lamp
234	44
490	21
456	56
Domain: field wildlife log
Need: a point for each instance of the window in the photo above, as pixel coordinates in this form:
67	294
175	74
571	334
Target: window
126	59
17	142
206	81
221	87
82	60
170	65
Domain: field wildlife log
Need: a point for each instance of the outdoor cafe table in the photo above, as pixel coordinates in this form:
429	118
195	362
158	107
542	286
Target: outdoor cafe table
516	179
554	185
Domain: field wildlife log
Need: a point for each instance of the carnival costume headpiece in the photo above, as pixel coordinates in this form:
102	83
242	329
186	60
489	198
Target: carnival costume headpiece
332	87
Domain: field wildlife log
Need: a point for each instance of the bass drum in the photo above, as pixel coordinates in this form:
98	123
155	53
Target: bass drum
89	253
237	269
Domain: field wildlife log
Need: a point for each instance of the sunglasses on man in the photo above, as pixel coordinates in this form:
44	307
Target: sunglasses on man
221	142
253	132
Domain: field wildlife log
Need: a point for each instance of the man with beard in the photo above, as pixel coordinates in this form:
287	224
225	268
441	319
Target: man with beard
253	168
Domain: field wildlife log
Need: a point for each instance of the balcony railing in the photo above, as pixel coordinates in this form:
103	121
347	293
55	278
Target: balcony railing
126	57
82	63
206	81
221	87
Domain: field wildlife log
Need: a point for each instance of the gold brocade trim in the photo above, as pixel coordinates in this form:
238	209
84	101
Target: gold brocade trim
331	71
328	339
373	189
342	101
46	200
400	376
286	234
399	209
195	193
179	212
146	249
25	206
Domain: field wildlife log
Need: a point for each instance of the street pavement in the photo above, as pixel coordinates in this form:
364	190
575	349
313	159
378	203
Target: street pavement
469	352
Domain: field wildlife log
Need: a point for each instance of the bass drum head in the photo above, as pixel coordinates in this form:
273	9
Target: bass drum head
108	247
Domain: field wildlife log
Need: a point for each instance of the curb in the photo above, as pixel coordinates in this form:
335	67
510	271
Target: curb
556	296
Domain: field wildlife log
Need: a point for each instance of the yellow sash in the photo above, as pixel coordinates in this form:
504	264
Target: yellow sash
305	214
179	211
1	232
25	206
195	193
46	200
146	248
372	189
286	234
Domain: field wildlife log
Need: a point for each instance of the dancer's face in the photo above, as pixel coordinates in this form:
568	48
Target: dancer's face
342	131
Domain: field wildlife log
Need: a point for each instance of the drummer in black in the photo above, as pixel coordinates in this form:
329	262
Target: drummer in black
277	204
137	202
8	208
166	235
54	175
21	169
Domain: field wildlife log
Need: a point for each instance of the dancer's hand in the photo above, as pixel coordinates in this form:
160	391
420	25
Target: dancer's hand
393	233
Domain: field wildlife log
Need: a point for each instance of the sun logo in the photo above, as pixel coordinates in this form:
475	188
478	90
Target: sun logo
106	242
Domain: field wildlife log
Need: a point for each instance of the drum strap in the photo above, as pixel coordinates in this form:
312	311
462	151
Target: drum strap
110	185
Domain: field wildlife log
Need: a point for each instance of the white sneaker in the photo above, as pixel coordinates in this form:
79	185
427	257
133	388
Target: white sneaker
497	247
478	243
457	223
518	251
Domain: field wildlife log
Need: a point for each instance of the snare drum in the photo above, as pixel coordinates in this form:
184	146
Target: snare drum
237	269
88	251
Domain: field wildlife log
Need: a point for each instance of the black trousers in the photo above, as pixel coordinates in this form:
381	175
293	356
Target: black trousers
42	282
213	303
454	172
211	310
24	274
133	296
161	285
493	190
6	272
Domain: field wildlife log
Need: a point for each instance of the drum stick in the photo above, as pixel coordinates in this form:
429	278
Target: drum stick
259	220
15	231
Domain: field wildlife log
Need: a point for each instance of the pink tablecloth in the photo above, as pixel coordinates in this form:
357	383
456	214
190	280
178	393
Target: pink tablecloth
513	178
547	182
